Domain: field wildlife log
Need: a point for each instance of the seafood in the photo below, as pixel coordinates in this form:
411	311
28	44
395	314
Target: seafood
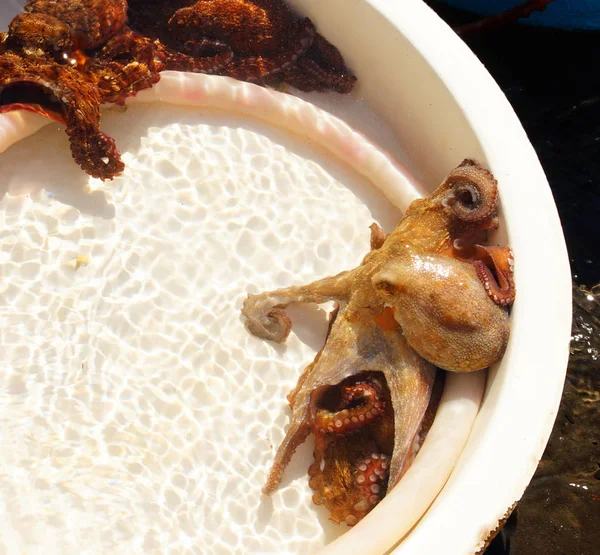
426	296
64	58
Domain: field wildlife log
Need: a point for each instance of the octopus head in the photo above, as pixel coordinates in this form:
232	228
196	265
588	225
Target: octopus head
43	36
444	310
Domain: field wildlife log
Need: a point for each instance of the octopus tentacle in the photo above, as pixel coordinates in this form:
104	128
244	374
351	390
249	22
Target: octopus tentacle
321	68
472	193
410	393
327	78
350	470
501	286
126	64
351	463
361	404
213	64
494	267
197	48
294	437
93	150
264	313
367	483
371	478
259	69
378	236
328	53
64	98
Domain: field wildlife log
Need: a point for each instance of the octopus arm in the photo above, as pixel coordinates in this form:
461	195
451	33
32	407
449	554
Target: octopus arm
259	68
125	64
214	63
366	406
57	92
321	68
501	286
296	434
410	381
265	314
93	150
378	236
336	361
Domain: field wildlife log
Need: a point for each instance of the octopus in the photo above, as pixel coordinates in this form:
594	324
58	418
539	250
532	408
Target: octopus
428	296
64	58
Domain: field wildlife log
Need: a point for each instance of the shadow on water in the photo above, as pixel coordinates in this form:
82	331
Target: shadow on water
50	168
297	470
309	323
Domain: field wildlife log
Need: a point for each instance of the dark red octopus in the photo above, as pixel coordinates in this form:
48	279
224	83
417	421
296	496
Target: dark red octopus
64	58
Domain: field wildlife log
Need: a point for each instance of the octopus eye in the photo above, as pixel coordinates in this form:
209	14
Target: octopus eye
64	57
61	57
384	287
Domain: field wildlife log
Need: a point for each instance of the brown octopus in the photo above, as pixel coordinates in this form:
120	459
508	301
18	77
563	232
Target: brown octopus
64	58
426	296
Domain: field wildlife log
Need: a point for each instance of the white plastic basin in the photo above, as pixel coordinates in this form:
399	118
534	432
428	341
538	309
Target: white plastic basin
438	105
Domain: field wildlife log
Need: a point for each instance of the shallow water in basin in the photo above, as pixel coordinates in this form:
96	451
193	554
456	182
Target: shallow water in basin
136	411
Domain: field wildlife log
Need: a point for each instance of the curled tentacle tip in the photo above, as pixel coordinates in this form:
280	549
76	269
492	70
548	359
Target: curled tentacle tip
266	322
361	405
495	269
472	194
98	155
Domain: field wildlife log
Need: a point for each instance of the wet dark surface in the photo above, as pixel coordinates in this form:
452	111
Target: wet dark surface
552	79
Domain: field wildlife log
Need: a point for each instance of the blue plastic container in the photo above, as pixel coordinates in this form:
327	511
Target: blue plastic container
563	14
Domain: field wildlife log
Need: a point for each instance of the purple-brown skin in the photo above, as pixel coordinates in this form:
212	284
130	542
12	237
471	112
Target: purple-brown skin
64	58
366	394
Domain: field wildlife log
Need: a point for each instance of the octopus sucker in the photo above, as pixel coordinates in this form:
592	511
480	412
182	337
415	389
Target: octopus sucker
359	405
104	51
370	394
351	468
495	269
